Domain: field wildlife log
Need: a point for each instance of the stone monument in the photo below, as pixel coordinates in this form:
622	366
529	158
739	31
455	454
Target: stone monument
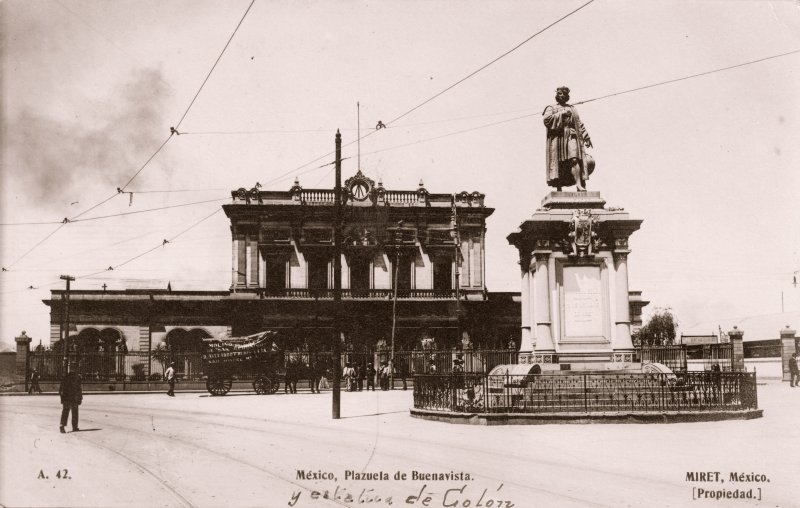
573	256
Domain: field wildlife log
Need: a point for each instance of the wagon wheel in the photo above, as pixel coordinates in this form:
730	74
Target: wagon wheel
218	386
264	385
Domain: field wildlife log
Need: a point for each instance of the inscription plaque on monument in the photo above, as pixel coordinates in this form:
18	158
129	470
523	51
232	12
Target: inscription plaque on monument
583	301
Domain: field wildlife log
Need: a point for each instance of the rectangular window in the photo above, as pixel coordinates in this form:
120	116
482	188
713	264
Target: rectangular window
317	272
359	276
275	273
404	276
443	276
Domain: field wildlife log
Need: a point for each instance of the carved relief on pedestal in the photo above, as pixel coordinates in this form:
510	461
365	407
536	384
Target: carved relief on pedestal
581	238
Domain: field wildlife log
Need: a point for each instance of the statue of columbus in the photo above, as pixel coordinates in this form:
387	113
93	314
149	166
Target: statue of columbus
567	161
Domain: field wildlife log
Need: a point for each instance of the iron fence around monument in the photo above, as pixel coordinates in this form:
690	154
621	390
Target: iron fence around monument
673	356
558	393
676	356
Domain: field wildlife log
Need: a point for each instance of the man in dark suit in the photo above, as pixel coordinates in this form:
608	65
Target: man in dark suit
71	397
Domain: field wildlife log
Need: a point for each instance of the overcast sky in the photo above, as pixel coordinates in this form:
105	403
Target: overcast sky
91	88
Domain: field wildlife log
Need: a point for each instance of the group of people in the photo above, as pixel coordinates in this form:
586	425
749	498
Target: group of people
357	375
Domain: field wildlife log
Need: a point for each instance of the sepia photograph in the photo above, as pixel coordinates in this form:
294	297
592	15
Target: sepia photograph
459	254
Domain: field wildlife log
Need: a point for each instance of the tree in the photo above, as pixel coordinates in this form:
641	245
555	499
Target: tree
659	330
162	354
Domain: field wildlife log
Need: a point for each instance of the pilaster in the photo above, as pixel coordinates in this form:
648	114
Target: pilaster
623	317
541	297
526	344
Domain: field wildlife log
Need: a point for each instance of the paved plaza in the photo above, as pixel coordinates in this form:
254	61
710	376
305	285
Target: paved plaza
149	450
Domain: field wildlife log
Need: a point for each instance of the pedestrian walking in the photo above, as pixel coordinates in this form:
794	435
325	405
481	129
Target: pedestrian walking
291	377
794	371
402	371
316	369
384	374
34	382
71	394
169	376
349	375
360	373
370	376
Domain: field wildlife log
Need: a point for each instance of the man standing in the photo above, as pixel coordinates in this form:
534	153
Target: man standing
71	397
794	371
34	382
169	375
567	162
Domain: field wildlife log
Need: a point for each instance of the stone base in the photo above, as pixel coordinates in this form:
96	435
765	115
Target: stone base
574	200
585	417
550	361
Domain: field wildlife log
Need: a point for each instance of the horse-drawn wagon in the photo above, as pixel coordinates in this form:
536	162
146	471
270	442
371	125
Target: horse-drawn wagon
236	358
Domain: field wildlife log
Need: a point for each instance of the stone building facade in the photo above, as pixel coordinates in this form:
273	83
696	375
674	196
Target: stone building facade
424	251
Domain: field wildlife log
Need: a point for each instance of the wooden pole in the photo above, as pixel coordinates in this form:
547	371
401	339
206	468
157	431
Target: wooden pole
337	282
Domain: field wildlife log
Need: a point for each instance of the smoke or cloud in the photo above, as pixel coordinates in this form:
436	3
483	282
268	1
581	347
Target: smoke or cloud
52	162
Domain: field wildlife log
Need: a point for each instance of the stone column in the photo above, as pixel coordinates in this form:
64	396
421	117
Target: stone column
737	362
623	317
541	297
526	344
21	363
788	348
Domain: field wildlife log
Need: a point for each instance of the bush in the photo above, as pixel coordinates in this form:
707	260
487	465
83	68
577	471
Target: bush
155	376
138	372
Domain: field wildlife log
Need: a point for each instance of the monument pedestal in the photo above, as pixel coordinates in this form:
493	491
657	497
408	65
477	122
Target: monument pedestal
574	268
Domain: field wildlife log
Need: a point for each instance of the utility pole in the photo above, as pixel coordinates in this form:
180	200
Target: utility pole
337	281
398	237
66	319
454	232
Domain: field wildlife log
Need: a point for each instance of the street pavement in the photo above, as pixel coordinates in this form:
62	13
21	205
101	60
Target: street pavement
243	450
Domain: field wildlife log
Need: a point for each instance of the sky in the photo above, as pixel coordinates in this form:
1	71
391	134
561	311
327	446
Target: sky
91	88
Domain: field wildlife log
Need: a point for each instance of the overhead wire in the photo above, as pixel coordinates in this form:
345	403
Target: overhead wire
161	245
173	131
122	214
215	65
688	77
56	230
473	73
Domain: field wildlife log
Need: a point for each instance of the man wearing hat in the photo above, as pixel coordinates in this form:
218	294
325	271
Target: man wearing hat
71	397
568	163
169	375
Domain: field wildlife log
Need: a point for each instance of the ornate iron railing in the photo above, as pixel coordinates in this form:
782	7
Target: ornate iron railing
551	393
673	356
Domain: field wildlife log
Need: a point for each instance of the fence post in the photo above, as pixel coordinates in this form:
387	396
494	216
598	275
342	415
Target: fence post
585	395
737	355
21	362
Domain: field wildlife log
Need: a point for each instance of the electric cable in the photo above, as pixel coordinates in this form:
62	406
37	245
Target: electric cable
689	77
283	175
162	244
213	66
486	65
56	230
121	214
